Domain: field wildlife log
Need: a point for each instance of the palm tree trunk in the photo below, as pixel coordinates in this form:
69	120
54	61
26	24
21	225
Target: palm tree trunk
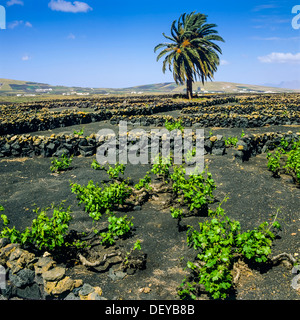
189	88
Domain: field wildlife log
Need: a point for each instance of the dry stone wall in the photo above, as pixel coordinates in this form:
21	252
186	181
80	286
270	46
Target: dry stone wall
29	277
56	145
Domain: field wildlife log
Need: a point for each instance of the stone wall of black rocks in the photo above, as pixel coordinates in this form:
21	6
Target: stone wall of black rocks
213	120
56	145
46	121
29	146
53	121
89	102
121	101
251	145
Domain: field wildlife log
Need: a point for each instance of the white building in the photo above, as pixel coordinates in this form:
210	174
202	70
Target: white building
44	90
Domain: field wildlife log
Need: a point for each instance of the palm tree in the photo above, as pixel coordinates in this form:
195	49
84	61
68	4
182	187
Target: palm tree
192	52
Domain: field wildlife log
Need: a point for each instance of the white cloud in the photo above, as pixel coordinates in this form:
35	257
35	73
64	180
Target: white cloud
15	24
12	2
25	58
272	22
264	6
278	57
67	6
71	36
276	38
18	23
224	63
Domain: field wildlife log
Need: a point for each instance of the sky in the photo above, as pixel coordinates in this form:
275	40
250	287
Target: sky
109	44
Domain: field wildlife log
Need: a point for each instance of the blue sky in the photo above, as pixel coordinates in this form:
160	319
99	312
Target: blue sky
97	43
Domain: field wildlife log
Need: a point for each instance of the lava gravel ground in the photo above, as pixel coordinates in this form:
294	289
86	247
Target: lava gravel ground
254	196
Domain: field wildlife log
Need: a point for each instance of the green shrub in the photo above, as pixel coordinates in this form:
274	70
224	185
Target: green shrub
80	132
61	164
136	246
96	166
143	183
196	191
274	162
292	165
172	125
291	159
284	144
45	233
231	141
117	228
114	172
11	233
102	200
176	213
99	200
218	242
161	167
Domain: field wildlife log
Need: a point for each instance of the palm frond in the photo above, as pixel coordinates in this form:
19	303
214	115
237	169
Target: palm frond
169	38
161	45
162	53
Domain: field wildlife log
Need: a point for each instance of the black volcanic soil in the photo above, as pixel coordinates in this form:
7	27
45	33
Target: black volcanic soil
254	196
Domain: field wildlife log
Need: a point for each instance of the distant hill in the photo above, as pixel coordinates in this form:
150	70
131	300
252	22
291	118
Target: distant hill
216	86
293	84
16	87
229	87
27	88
